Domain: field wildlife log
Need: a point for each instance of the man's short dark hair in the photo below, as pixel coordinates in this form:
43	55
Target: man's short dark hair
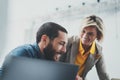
50	29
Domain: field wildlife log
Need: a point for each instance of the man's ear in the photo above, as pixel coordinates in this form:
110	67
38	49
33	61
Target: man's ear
45	39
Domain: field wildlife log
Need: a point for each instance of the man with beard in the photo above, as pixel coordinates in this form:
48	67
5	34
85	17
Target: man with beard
51	40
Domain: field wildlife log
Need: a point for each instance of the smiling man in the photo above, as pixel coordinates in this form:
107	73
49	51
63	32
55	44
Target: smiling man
51	40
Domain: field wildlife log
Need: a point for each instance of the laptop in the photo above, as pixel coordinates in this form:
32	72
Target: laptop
22	68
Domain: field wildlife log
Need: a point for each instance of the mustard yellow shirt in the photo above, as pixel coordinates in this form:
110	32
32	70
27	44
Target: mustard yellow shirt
81	57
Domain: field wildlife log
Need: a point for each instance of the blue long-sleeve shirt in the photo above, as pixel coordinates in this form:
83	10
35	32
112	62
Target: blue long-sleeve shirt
27	50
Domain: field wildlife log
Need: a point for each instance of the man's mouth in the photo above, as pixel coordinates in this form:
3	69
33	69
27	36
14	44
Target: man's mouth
57	57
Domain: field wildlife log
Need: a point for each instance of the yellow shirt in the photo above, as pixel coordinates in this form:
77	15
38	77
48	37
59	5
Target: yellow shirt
81	57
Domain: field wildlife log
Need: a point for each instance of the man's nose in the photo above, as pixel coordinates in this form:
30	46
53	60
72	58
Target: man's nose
64	49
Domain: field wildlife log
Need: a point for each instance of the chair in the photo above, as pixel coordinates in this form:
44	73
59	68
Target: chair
115	79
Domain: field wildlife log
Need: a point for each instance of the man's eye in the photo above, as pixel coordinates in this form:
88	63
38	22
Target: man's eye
62	43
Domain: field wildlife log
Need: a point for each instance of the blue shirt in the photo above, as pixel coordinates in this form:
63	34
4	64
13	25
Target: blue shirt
27	50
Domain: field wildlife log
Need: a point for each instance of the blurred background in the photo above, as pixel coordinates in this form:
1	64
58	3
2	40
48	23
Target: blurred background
20	19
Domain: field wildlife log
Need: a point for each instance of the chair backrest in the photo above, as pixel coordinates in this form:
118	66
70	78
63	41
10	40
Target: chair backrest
115	79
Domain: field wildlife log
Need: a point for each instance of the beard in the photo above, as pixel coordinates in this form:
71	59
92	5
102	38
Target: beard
49	52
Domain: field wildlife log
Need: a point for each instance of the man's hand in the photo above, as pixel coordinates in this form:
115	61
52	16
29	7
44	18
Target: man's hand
78	78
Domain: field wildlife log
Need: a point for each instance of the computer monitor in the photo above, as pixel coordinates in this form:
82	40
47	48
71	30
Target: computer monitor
21	68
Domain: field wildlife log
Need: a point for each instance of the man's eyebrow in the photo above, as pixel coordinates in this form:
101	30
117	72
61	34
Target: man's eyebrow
62	42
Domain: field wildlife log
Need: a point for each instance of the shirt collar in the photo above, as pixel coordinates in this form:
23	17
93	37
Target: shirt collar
92	49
